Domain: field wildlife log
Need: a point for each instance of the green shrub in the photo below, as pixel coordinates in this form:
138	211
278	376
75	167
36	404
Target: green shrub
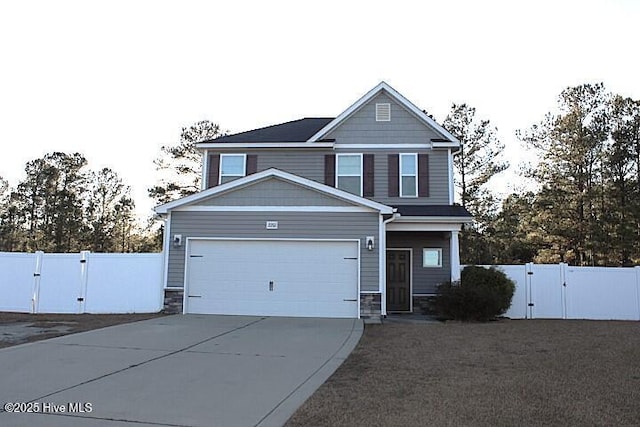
481	294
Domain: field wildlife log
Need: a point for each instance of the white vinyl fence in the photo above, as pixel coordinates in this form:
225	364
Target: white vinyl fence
81	283
560	291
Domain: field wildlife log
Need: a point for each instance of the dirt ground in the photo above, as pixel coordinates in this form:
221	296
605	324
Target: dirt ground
504	373
19	328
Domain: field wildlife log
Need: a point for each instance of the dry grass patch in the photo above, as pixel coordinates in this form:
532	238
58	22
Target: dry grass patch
506	373
19	328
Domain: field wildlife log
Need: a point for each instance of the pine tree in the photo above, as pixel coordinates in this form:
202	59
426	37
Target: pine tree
571	147
478	161
180	165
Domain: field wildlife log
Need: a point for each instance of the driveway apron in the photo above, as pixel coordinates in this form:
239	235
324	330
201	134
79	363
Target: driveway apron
184	370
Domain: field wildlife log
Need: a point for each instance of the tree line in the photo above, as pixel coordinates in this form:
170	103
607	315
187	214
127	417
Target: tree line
584	208
62	206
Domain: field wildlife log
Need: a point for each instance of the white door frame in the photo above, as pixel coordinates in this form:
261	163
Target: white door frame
410	250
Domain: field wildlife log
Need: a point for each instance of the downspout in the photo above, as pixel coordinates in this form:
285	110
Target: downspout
383	261
166	239
205	170
454	254
452	187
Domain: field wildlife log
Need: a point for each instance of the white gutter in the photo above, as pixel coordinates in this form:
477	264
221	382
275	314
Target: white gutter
166	241
205	169
434	219
307	145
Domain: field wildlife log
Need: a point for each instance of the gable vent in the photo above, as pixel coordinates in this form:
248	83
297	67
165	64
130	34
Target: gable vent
383	112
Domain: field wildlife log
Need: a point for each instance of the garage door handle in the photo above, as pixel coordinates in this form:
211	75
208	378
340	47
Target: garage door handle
271	285
195	296
352	300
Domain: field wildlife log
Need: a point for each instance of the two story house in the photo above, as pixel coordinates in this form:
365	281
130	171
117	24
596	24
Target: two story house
320	217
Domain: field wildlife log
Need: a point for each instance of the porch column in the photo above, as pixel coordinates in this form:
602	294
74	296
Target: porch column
455	256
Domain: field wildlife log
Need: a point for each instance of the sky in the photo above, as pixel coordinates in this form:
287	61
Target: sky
115	80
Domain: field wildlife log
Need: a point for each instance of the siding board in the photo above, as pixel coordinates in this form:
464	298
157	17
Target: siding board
273	192
362	128
307	164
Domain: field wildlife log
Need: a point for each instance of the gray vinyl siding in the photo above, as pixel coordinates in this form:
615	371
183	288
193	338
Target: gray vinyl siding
404	128
438	180
425	279
361	128
307	164
310	165
298	225
273	192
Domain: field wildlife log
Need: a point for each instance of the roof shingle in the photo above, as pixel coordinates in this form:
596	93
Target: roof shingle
295	131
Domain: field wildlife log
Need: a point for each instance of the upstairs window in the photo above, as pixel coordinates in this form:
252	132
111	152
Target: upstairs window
349	173
232	166
408	175
383	112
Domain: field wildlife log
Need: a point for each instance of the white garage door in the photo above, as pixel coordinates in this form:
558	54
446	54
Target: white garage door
273	278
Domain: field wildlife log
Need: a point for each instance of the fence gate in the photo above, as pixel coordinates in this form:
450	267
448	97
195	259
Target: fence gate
546	291
60	286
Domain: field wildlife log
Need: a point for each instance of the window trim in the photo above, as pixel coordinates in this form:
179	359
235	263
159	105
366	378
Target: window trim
378	119
439	250
401	175
244	167
338	175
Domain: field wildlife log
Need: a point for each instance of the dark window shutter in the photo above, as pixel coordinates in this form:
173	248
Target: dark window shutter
394	178
330	170
252	163
368	175
214	170
423	175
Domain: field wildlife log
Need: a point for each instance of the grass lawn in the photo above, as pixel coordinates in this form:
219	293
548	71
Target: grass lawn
505	373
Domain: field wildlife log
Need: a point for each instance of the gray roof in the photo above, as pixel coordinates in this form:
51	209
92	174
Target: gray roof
295	131
433	210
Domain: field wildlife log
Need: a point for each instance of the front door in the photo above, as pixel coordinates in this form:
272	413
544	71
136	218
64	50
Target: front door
398	280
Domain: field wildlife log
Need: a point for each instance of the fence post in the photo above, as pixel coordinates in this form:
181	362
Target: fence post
84	278
563	288
528	272
637	270
35	296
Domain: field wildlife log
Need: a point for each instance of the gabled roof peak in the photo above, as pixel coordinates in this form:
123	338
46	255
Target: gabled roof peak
383	86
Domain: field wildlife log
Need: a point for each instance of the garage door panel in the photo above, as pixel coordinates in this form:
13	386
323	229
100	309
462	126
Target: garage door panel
310	278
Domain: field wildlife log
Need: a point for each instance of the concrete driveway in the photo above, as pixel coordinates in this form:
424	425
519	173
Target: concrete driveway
191	370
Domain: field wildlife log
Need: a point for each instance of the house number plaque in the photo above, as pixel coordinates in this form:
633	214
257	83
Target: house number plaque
272	225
